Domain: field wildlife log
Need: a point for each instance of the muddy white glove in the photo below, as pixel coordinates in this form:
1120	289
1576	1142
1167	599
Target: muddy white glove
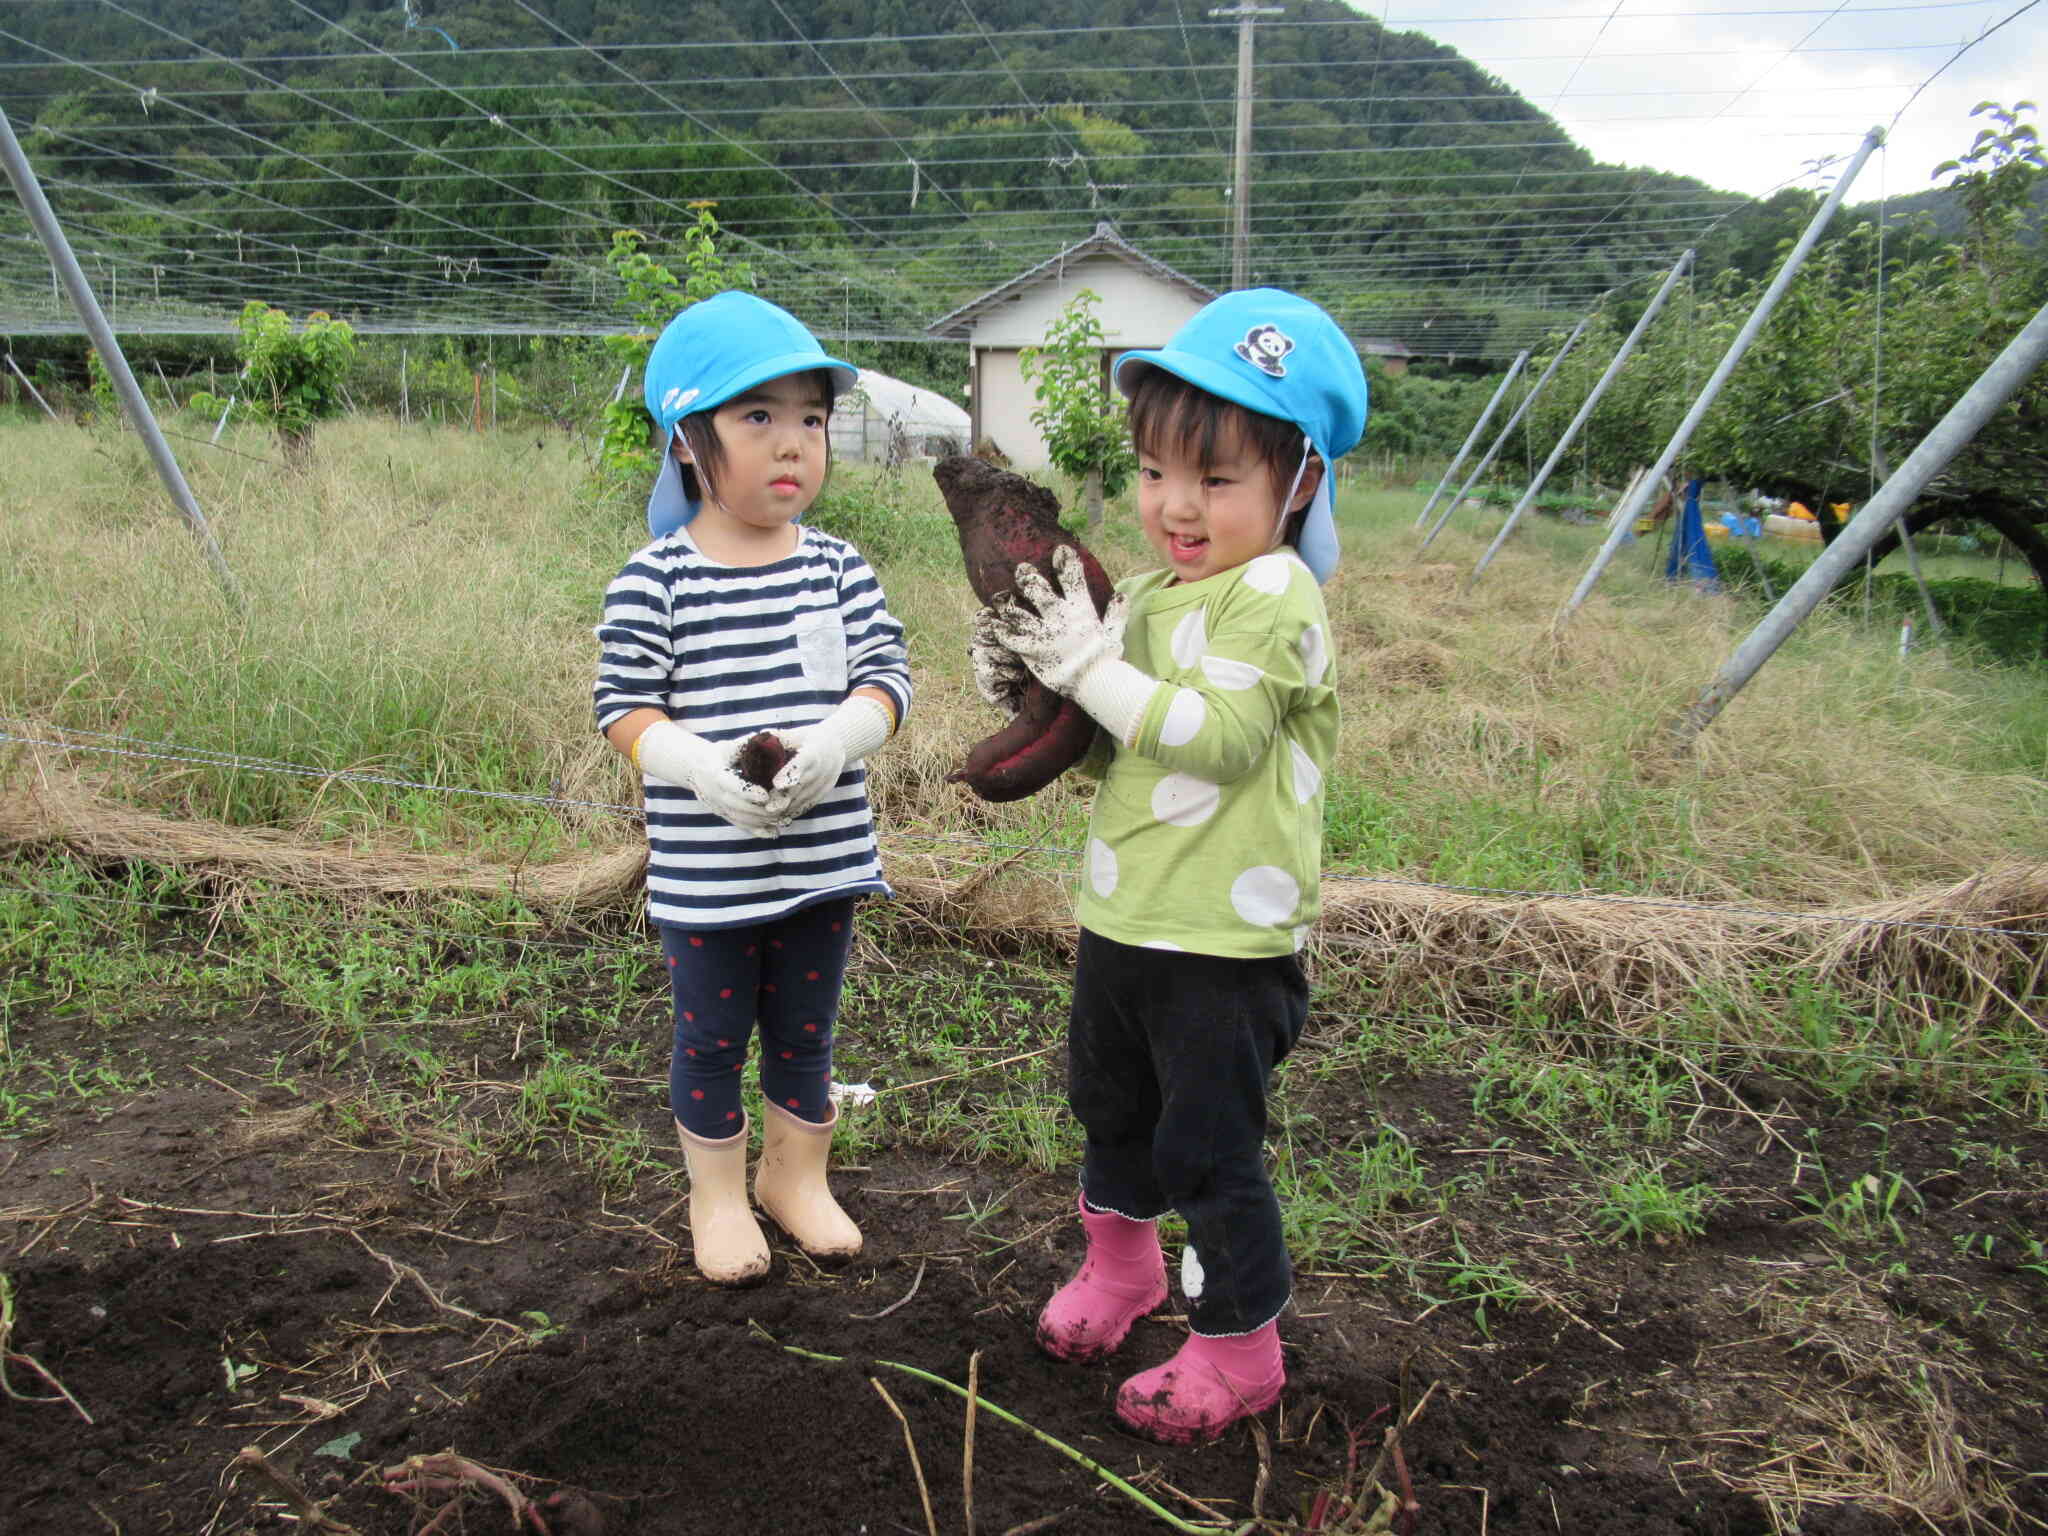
821	752
1065	637
999	676
705	768
1073	651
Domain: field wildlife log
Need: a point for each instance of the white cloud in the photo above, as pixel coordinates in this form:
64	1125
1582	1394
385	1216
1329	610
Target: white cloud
1747	97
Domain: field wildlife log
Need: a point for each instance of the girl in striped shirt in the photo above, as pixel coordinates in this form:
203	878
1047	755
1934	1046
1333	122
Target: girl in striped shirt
737	620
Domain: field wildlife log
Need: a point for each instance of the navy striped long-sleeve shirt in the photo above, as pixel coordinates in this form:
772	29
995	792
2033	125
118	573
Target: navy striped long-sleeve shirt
727	651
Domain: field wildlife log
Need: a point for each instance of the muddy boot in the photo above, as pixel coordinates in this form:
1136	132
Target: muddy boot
790	1185
1206	1388
725	1237
1122	1278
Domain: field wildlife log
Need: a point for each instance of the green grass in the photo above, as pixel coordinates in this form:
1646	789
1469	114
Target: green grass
1640	1204
420	604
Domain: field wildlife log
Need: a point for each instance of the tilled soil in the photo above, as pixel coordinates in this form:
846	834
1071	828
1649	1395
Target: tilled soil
227	1260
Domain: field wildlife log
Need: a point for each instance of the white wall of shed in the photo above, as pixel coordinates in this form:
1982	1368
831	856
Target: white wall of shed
1137	308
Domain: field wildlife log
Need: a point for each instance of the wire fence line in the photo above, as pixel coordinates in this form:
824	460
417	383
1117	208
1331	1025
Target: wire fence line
137	748
396	245
1579	1032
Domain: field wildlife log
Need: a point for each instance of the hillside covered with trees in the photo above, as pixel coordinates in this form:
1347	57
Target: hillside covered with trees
469	164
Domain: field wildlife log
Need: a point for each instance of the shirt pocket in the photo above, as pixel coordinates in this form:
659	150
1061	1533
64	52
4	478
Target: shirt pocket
821	647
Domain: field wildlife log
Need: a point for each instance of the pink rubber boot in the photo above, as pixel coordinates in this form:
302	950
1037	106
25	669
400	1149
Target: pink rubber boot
1205	1388
1122	1278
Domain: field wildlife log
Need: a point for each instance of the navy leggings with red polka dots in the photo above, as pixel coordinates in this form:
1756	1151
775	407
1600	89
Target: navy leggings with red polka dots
784	974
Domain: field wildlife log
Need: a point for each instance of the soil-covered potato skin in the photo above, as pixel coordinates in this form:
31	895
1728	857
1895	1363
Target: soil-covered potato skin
229	1218
1004	521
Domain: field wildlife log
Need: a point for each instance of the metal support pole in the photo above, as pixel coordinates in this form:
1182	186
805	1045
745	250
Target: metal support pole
1501	441
44	221
1585	411
1241	197
16	369
1472	437
1996	385
1625	514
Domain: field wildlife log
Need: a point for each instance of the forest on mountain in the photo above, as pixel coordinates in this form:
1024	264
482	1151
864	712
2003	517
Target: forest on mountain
927	161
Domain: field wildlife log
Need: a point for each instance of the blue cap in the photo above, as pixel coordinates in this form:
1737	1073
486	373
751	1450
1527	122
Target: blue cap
1278	354
717	349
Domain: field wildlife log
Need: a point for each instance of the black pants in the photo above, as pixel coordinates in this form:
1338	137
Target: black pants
1168	1058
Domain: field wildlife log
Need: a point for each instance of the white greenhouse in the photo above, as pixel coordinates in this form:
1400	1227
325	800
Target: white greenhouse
883	420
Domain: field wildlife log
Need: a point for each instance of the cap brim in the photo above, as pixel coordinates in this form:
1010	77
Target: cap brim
844	377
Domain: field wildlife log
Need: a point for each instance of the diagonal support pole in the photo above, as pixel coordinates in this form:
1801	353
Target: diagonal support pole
1983	399
1585	411
1472	437
1505	433
1625	514
65	264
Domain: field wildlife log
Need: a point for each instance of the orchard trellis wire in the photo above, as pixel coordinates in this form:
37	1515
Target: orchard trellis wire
2004	1064
390	176
60	740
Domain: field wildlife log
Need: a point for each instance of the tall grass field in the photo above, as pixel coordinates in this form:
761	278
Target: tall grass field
418	607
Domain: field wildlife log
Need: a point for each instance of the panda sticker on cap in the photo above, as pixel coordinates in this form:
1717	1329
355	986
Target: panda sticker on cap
1265	347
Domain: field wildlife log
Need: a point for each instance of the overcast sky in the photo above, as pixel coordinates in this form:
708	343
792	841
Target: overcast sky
1744	93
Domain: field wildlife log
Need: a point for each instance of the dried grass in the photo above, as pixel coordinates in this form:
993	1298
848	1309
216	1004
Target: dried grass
1871	1422
1633	963
1630	964
54	807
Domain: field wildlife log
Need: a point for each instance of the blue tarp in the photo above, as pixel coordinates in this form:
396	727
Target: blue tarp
1691	559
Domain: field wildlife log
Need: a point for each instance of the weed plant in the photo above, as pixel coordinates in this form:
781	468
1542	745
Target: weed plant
1642	1205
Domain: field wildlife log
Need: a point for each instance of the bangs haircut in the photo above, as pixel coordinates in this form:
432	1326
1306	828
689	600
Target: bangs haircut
1170	414
707	453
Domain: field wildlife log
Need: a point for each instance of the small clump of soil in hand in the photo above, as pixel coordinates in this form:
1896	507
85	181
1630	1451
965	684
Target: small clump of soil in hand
761	757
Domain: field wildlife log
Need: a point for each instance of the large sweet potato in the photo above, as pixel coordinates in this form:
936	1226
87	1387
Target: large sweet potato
1005	521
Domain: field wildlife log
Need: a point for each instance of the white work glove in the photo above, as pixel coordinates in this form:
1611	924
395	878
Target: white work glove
819	754
999	676
1065	637
705	768
1070	649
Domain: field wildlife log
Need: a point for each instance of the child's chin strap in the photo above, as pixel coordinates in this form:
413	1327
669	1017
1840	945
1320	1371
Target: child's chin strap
1280	523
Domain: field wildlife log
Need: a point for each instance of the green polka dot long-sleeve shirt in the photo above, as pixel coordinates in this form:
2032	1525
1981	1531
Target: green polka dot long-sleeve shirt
1207	832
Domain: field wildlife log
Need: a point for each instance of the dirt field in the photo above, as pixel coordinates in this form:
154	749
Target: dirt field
233	1259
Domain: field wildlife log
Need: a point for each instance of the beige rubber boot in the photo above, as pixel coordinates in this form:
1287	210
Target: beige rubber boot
790	1185
727	1240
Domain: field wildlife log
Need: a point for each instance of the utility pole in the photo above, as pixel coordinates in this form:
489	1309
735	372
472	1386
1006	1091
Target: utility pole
1241	196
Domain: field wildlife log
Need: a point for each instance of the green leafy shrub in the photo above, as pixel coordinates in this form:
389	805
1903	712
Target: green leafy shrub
2008	624
654	296
1082	417
290	379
